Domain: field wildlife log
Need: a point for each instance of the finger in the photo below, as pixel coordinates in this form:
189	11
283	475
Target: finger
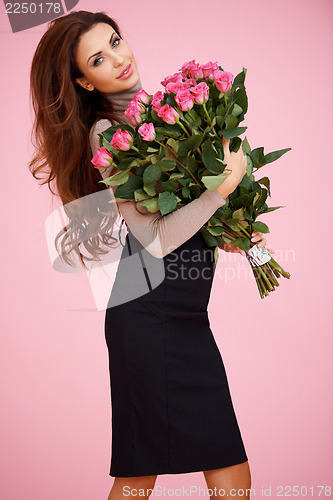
271	250
256	237
225	144
262	243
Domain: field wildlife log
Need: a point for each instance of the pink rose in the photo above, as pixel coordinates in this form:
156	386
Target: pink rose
172	78
147	131
168	114
102	158
209	69
156	104
184	99
158	95
223	80
192	70
133	113
142	96
137	104
189	82
122	140
156	100
200	93
174	87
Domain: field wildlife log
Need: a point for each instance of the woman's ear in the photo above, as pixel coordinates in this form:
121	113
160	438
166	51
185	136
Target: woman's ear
85	84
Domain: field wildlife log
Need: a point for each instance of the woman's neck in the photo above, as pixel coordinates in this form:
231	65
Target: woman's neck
120	100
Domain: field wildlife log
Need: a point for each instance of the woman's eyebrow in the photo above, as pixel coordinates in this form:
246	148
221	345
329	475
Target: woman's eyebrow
100	52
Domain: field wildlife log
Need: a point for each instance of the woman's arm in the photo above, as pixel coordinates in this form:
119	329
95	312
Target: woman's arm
159	234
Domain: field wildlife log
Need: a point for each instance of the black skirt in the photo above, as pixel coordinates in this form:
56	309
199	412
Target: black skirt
172	411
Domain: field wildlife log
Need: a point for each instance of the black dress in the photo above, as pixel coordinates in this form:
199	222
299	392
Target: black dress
171	407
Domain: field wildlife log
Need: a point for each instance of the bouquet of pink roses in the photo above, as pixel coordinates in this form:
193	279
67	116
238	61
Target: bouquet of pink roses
172	151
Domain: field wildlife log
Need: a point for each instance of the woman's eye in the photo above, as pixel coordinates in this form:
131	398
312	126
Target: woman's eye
116	40
96	61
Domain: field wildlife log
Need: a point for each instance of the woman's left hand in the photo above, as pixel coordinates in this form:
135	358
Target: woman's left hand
256	237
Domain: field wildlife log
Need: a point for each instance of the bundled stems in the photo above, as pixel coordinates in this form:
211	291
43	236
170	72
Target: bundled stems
266	274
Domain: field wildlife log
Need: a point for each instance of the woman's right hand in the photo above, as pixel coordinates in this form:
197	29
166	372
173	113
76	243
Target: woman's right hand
236	169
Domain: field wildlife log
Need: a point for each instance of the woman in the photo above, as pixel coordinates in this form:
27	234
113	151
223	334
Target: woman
171	407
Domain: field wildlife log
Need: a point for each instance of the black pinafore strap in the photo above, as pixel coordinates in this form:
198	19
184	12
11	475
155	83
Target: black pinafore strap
140	254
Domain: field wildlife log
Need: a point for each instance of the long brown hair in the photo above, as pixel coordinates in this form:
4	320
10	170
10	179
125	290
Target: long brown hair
64	115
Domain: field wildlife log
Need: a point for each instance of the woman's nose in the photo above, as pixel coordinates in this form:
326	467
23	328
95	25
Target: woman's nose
117	60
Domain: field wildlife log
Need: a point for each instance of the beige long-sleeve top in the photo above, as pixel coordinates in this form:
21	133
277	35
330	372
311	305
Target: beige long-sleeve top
160	234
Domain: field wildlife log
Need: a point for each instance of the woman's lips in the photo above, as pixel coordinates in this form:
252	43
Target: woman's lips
126	72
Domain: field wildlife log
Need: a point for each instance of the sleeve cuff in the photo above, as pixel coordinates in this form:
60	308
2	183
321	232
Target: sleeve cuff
214	197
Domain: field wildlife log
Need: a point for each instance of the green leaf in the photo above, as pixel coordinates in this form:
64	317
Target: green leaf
192	118
232	223
239	79
189	144
262	199
216	255
246	146
241	201
124	164
265	182
150	189
170	186
214	221
166	164
220	110
173	144
117	179
239	214
234	145
152	173
236	110
186	192
249	165
260	226
268	209
126	191
211	182
209	239
191	164
240	98
243	244
275	155
176	176
215	230
258	157
233	132
231	122
226	239
155	116
153	158
151	204
210	158
167	202
140	194
168	133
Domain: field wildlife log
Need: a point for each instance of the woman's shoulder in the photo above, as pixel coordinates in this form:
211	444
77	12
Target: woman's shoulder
97	128
100	125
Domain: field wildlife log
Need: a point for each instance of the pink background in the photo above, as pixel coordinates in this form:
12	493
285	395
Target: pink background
55	395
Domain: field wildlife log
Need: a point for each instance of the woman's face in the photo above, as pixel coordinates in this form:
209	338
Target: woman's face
101	56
